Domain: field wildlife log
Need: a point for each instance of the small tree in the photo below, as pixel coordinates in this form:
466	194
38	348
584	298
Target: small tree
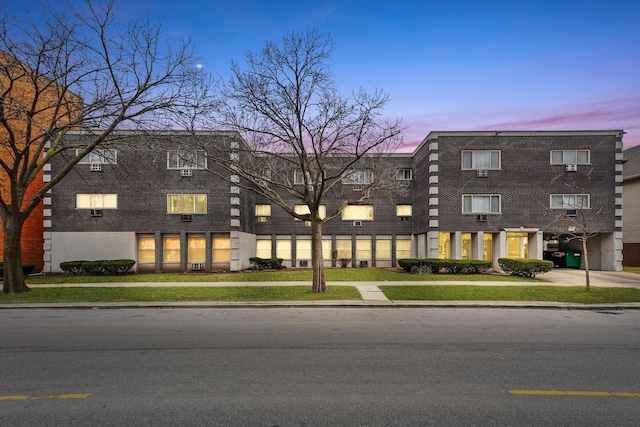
80	70
302	137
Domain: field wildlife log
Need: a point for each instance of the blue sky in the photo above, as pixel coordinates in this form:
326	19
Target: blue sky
447	65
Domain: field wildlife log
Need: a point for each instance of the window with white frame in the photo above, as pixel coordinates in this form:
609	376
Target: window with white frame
358	213
187	203
358	177
304	210
100	155
298	177
570	157
96	201
481	159
404	174
481	204
186	159
404	210
570	201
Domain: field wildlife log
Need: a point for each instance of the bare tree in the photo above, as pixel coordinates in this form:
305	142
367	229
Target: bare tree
302	137
80	70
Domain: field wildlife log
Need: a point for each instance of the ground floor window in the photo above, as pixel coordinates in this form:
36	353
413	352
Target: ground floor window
444	245
303	249
196	249
283	249
343	249
171	249
222	249
263	248
487	249
517	245
363	249
403	248
146	250
383	249
465	241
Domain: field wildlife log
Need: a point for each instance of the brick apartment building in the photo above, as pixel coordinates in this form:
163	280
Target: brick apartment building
631	214
479	195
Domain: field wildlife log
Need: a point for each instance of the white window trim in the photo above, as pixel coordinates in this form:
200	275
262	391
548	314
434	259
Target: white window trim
569	206
101	157
482	195
481	151
195	201
358	177
400	174
588	162
197	154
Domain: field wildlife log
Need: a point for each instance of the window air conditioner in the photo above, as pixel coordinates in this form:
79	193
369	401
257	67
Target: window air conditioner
186	218
364	264
481	173
357	223
196	266
357	188
95	167
482	218
304	263
572	212
96	212
186	172
405	183
571	168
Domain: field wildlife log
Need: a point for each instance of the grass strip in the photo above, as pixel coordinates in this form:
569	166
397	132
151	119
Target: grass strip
180	294
570	294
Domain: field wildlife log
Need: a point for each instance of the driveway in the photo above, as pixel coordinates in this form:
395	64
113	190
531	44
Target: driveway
569	276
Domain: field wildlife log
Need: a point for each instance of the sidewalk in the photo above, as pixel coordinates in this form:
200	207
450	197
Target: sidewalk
370	292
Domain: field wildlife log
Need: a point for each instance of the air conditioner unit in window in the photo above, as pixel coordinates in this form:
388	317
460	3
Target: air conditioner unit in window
96	212
571	168
95	167
304	263
357	223
186	218
357	188
196	266
186	172
481	173
572	212
405	183
482	218
364	264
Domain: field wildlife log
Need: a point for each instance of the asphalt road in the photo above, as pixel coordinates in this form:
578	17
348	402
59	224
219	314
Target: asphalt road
319	367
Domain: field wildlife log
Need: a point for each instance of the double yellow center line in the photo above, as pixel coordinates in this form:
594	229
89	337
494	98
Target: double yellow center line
574	393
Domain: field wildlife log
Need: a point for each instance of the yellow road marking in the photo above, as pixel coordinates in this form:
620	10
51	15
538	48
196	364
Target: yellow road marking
47	396
574	393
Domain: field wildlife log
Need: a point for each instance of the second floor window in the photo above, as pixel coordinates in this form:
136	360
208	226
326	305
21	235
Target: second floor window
100	155
481	159
570	201
96	201
481	204
358	213
570	157
263	210
403	210
186	159
304	210
404	174
358	177
187	203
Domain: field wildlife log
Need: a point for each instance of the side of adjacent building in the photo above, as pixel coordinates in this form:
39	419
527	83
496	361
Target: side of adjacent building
631	211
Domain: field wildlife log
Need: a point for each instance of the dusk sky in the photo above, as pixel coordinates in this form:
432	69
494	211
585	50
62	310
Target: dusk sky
447	65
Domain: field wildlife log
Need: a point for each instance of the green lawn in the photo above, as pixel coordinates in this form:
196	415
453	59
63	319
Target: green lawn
332	274
168	294
573	294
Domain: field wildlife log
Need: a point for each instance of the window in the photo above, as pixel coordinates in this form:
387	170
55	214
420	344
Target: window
185	159
481	203
403	248
481	159
304	210
221	249
263	248
171	249
383	249
570	201
303	249
146	250
263	210
96	201
363	249
343	249
298	177
404	174
326	249
196	249
100	155
570	157
358	177
283	249
403	210
358	212
187	203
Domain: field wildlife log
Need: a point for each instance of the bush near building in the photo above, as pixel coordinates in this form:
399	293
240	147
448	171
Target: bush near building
450	266
525	267
95	268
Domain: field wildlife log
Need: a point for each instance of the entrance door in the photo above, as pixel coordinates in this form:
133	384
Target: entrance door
517	245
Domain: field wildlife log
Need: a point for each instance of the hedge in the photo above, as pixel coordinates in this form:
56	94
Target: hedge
267	263
99	267
451	266
27	268
525	267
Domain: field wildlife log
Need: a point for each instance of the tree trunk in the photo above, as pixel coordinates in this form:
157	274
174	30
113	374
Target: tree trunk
585	254
319	283
13	275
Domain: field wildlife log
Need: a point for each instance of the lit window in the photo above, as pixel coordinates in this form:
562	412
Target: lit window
171	249
283	249
263	248
96	201
343	249
358	212
383	249
146	250
404	174
185	159
403	248
304	210
481	159
303	249
263	210
196	249
570	157
100	155
481	203
358	177
570	201
363	249
404	210
221	249
187	203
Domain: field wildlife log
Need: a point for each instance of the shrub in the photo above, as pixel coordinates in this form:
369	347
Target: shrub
27	268
266	263
119	266
525	267
95	268
72	267
437	265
